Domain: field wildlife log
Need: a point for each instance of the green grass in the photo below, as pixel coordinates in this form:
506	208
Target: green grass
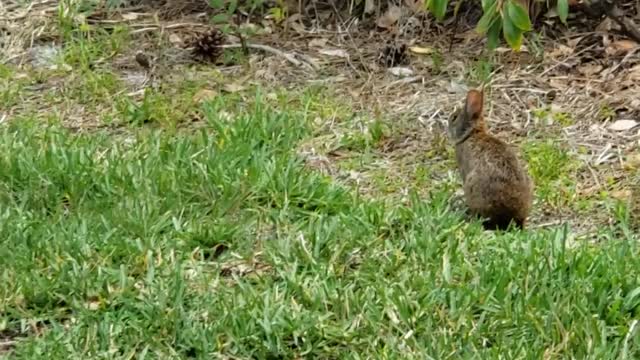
553	171
143	245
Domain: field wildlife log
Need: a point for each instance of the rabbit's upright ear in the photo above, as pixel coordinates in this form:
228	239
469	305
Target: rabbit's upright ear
473	105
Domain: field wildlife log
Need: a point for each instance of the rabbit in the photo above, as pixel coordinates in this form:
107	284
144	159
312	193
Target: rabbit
496	186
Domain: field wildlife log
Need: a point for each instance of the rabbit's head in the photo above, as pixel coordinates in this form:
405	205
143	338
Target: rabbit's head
467	119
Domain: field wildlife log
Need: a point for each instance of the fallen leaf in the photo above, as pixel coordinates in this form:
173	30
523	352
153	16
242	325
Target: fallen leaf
623	125
297	27
204	95
605	26
400	71
334	52
421	50
318	42
572	43
93	304
414	5
456	87
632	162
621	47
233	88
633	74
175	39
561	51
590	69
390	17
623	194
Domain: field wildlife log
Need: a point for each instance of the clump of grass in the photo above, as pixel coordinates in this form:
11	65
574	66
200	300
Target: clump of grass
553	170
481	69
556	117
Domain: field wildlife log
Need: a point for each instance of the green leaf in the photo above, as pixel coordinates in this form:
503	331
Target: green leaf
220	18
233	6
512	34
563	10
487	3
438	8
216	4
493	35
487	18
518	16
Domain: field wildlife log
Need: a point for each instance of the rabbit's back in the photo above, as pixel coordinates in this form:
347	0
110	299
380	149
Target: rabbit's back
496	186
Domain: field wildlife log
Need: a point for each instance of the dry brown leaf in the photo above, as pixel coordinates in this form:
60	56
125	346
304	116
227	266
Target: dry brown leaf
204	95
572	43
620	47
558	84
623	125
175	39
605	26
590	69
93	304
623	194
297	27
414	5
633	74
233	88
390	17
632	162
421	50
562	51
400	71
318	42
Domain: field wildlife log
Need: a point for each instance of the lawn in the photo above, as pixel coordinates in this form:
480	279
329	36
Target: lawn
191	215
219	242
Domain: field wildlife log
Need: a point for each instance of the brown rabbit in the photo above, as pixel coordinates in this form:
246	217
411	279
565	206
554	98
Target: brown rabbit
496	186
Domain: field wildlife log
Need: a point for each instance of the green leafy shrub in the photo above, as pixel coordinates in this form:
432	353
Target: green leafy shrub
506	17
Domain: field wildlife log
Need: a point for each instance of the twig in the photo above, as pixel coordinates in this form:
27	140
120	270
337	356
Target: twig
624	60
151	27
7	344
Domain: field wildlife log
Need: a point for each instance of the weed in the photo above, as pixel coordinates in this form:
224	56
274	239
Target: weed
553	171
480	71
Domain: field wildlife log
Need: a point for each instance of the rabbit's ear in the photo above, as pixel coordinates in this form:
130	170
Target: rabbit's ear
473	105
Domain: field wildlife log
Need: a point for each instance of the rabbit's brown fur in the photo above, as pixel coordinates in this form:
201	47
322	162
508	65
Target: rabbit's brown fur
496	186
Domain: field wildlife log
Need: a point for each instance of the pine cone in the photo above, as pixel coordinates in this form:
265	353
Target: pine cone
206	46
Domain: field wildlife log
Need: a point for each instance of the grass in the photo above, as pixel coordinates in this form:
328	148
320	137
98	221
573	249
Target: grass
553	171
219	242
